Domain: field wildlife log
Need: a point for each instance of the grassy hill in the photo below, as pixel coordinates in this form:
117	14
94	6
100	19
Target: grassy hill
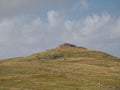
62	68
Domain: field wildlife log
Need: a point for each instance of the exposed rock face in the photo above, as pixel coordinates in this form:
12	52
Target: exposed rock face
65	45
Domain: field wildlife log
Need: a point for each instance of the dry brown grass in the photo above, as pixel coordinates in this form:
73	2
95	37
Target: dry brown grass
61	69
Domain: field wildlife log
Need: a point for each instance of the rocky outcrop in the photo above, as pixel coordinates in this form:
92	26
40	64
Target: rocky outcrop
65	45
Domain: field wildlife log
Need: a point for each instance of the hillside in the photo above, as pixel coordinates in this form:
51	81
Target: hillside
66	67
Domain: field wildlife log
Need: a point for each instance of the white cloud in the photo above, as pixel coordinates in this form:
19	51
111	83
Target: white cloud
96	32
95	23
100	32
54	18
116	29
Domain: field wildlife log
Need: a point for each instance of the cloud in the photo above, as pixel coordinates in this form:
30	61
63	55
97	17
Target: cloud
33	8
84	3
12	8
54	18
18	36
99	32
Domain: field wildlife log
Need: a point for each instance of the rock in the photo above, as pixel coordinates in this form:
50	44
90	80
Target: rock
65	45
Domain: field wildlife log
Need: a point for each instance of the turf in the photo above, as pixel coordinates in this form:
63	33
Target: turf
72	68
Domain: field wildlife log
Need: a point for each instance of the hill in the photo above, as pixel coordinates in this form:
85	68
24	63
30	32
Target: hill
66	67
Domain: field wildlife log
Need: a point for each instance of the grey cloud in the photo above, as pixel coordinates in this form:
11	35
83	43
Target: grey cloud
84	3
11	8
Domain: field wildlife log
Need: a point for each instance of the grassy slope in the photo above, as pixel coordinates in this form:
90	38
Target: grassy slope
61	69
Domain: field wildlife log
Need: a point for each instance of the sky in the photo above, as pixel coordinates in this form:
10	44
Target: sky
30	26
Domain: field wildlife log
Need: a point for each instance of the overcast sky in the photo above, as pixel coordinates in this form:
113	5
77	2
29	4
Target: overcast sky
29	26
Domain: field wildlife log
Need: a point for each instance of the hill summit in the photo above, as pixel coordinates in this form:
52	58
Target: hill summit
65	45
67	67
67	51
